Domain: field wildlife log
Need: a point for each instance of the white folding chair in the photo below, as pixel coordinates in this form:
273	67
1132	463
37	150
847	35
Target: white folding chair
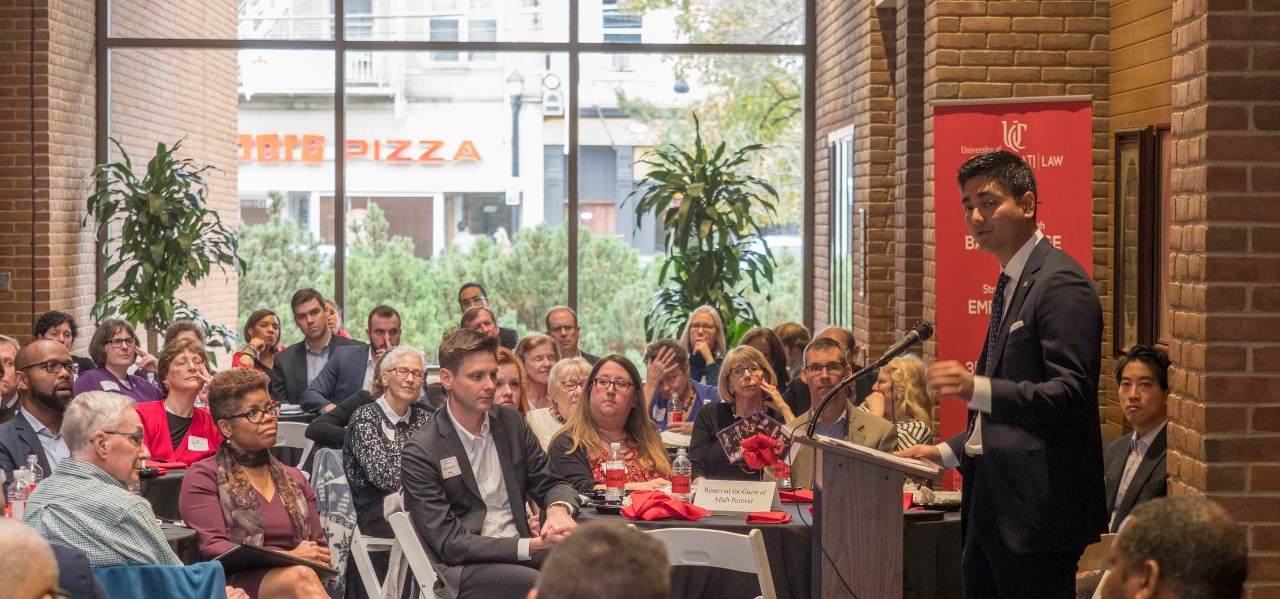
719	549
360	548
294	434
411	545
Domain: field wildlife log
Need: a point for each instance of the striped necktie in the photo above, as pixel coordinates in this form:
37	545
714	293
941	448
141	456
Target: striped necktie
997	315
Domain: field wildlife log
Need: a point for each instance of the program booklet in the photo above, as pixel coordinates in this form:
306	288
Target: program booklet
244	558
732	436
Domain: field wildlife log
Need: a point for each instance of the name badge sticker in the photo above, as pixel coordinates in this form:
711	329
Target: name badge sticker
197	444
449	467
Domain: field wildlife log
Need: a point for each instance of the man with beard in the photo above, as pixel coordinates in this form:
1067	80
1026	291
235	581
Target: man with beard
45	376
351	367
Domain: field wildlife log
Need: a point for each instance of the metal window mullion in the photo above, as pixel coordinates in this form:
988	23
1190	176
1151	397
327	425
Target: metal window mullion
571	173
339	155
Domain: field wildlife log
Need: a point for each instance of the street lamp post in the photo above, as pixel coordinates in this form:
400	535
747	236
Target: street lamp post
515	93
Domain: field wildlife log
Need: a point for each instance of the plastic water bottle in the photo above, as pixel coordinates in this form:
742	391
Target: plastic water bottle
681	472
33	466
782	473
18	492
615	474
675	411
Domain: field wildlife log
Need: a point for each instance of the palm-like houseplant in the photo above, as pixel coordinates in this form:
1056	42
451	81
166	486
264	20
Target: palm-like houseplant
712	214
162	234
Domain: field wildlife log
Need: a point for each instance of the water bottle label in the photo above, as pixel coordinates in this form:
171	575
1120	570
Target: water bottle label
680	485
615	478
677	417
781	470
16	509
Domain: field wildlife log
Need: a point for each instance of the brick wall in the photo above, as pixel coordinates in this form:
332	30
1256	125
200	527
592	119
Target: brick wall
1224	432
908	210
16	229
835	109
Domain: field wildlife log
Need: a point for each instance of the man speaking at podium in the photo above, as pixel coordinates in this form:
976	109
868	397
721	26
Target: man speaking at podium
1031	458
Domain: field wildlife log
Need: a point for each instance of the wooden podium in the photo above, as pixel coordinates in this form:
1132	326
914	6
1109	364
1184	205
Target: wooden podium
857	523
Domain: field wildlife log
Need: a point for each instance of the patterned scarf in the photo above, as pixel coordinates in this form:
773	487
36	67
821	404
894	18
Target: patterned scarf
240	506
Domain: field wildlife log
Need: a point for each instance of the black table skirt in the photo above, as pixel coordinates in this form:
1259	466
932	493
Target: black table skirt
183	541
162	492
931	557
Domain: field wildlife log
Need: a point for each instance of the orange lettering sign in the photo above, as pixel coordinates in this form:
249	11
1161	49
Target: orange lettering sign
309	148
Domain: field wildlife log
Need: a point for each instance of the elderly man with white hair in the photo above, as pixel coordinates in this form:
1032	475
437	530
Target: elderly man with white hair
86	503
28	569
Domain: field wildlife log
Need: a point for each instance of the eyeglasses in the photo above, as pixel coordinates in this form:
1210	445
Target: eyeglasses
702	325
256	416
607	384
118	343
407	372
136	438
564	328
743	370
58	593
54	366
186	363
478	300
571	385
833	368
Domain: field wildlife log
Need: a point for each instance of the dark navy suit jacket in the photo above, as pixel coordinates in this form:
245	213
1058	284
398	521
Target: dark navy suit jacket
341	377
1041	443
289	376
18	440
1149	478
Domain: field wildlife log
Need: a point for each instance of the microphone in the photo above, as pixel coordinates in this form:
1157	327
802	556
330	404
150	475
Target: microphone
921	332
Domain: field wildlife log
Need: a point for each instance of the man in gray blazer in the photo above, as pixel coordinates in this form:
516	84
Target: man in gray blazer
1135	466
466	476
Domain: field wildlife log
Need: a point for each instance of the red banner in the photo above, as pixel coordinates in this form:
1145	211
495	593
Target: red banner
1054	136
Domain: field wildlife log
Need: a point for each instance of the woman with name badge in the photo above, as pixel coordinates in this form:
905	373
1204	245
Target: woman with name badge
175	429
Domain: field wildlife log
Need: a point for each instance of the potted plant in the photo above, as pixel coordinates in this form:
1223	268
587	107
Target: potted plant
711	212
161	233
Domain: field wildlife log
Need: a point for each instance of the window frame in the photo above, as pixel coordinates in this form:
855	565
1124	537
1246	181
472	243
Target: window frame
1151	275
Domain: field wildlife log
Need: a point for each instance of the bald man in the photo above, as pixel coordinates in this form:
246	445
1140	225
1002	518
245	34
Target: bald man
28	569
45	374
797	394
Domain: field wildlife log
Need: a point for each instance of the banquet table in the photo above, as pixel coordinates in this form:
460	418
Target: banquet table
183	541
931	551
162	492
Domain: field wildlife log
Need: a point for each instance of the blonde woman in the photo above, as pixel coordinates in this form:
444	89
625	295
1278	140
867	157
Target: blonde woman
564	386
613	412
747	385
899	396
538	353
703	337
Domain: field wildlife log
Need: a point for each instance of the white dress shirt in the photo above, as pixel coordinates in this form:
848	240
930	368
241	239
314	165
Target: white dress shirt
499	522
981	400
55	447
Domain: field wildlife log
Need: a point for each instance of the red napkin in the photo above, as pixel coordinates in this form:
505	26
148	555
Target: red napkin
170	465
768	518
759	451
797	496
656	505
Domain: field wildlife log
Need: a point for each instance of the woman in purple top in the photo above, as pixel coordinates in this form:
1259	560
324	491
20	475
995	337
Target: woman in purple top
674	398
244	496
114	349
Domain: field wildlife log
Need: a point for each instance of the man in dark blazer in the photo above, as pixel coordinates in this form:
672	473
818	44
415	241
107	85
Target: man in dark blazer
562	325
36	428
466	476
351	367
297	365
1135	463
471	295
1033	495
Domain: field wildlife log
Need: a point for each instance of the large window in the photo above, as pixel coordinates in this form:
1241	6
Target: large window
1142	241
845	280
393	151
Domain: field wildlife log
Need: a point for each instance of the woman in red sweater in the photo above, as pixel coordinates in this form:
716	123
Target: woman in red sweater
175	429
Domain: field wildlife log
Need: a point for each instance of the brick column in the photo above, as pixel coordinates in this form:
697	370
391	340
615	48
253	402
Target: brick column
908	213
1224	431
834	109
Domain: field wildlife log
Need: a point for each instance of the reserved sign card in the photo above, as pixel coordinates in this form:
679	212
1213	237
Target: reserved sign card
739	496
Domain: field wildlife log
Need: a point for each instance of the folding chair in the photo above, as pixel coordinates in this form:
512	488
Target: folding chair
361	546
719	549
294	434
411	545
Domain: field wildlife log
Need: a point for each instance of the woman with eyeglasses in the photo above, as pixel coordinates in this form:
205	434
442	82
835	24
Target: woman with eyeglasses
244	496
378	431
565	386
176	430
513	388
614	412
114	349
900	396
703	338
746	387
538	353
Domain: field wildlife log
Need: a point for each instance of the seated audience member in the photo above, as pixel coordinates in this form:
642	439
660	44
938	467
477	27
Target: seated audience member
703	338
466	478
244	496
899	396
28	568
562	325
350	368
538	353
44	375
377	433
176	430
299	364
114	349
86	502
10	399
184	328
825	366
667	377
330	428
564	386
1185	547
794	337
263	332
481	319
473	295
768	344
513	389
1135	464
334	319
613	413
797	396
746	387
595	548
61	327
